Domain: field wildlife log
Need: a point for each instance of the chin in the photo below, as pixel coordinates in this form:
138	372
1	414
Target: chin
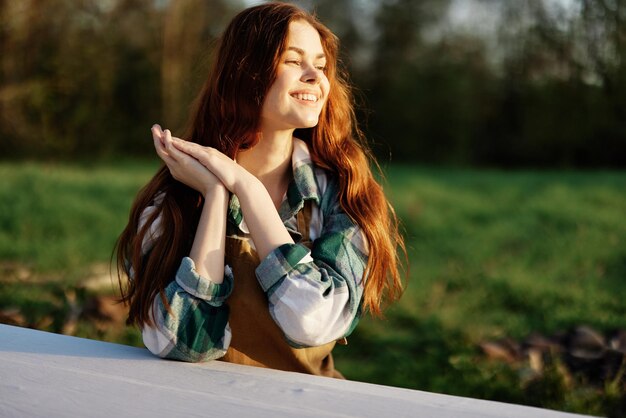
310	123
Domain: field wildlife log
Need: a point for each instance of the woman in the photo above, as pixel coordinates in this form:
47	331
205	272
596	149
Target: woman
264	236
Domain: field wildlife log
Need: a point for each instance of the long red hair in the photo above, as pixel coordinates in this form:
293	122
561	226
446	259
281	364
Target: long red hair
226	116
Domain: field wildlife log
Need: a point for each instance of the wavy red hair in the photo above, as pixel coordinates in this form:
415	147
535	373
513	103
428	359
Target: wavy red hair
228	120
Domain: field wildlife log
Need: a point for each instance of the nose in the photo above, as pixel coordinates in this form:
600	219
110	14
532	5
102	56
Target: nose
311	75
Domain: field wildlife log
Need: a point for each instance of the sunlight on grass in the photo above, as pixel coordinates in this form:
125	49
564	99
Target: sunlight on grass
59	218
493	255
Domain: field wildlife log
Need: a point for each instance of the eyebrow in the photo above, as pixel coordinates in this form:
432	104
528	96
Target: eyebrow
301	52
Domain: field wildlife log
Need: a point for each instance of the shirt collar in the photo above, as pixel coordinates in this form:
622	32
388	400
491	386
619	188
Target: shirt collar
302	187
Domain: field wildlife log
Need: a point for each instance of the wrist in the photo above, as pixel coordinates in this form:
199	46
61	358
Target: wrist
245	181
215	191
248	185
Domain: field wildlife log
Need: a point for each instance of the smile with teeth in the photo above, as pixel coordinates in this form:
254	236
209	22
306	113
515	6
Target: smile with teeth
307	97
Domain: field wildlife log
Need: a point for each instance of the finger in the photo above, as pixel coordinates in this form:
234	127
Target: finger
166	156
163	155
171	142
157	136
167	141
157	132
158	146
172	150
193	149
186	145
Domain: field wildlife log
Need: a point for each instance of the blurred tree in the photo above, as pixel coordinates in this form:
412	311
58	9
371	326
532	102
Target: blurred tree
604	22
190	30
86	78
562	86
70	73
343	17
419	90
391	80
547	88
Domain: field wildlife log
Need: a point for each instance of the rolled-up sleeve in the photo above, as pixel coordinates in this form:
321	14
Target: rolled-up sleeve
195	327
315	295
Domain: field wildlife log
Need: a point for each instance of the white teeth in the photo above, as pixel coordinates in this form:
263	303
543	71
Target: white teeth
306	97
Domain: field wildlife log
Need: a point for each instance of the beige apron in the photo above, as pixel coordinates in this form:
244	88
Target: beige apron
256	339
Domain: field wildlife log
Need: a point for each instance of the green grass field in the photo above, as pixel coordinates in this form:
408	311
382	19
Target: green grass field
493	255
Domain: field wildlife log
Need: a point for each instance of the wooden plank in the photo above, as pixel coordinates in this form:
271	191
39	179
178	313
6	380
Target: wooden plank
44	374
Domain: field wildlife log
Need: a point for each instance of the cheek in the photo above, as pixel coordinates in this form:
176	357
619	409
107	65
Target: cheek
273	97
326	88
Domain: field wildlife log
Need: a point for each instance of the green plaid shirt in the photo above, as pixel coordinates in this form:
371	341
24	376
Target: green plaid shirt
314	295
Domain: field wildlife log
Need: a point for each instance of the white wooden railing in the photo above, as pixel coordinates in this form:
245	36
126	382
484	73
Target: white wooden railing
50	375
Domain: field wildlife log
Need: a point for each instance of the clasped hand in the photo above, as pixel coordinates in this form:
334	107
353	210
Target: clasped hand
201	168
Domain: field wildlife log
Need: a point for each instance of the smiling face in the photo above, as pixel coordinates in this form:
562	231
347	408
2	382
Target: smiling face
301	88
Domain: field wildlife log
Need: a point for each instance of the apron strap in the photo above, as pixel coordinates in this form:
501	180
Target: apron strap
304	220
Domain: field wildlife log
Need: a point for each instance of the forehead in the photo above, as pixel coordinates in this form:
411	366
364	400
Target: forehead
304	36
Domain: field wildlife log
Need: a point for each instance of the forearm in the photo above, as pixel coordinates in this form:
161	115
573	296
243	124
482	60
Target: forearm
266	228
207	250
